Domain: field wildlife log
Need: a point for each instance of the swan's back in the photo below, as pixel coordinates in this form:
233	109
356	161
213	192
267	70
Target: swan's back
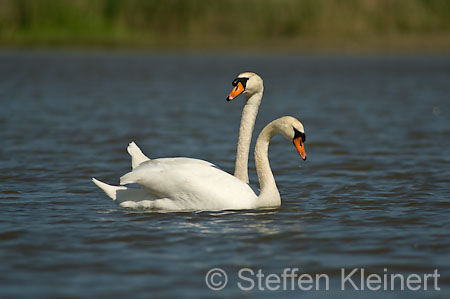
185	183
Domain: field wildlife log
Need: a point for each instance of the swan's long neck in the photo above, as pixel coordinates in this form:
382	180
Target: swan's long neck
248	118
269	195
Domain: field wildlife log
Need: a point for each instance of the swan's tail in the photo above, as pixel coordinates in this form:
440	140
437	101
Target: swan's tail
127	197
111	191
137	157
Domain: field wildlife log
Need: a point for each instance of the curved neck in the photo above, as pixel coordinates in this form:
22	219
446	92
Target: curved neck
248	118
269	195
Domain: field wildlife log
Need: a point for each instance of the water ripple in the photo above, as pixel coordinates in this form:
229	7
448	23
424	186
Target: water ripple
373	193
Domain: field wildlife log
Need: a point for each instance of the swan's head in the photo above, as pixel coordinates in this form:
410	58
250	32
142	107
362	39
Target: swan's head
293	130
247	83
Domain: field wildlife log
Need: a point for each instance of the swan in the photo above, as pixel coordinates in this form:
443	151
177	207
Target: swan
251	86
186	184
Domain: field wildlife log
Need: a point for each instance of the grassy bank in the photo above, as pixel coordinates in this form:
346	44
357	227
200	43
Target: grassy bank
336	25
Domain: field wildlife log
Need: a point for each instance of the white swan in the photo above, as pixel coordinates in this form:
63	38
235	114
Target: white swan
251	86
180	184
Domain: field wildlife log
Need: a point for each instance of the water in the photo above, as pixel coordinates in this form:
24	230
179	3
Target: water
373	194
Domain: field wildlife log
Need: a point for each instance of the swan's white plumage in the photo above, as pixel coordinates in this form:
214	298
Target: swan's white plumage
180	184
124	194
190	184
137	157
111	191
253	93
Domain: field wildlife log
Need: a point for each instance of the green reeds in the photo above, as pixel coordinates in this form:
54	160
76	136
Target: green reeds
210	24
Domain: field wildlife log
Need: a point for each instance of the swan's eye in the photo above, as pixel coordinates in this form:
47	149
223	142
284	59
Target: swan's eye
297	134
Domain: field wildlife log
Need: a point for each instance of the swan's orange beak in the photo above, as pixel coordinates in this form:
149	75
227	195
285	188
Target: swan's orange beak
300	146
237	90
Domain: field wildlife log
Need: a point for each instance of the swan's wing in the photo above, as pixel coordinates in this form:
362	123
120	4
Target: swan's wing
186	183
178	161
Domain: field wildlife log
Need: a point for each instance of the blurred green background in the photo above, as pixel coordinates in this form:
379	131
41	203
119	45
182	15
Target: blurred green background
292	25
